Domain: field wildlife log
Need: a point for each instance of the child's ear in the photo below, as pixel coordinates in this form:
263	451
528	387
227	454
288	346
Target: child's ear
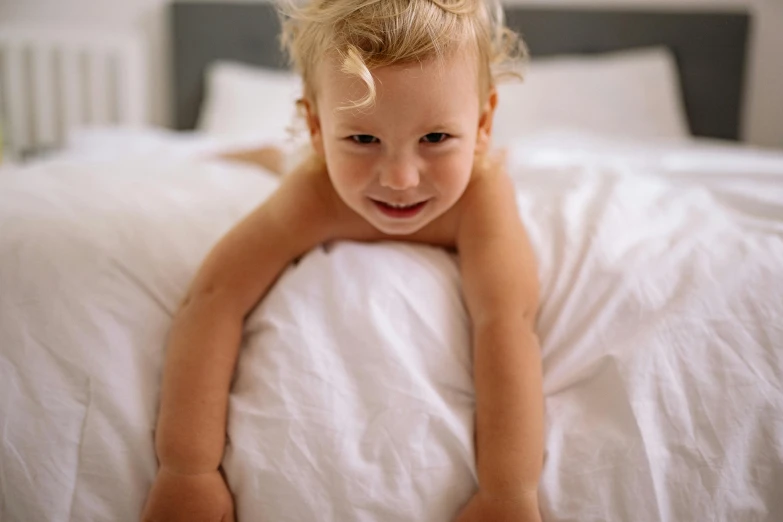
314	126
484	137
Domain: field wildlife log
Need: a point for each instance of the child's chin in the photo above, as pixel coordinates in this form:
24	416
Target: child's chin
400	228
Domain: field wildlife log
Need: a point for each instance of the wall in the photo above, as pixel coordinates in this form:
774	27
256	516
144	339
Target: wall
763	122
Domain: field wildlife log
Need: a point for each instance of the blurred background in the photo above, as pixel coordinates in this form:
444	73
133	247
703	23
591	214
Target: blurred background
147	24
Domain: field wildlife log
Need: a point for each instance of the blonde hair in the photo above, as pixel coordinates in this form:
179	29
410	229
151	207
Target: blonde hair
366	34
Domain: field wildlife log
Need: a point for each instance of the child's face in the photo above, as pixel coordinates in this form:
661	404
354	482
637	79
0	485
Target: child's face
408	158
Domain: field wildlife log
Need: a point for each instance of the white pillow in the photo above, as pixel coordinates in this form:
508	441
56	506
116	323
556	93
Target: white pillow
244	100
633	94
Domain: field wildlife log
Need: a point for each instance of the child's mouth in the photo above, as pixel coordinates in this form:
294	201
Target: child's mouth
400	211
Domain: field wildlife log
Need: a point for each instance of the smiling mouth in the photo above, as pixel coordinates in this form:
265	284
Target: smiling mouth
399	211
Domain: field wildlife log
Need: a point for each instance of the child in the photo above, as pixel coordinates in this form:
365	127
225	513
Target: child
399	99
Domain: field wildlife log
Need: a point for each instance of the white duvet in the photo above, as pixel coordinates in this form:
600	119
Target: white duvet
661	329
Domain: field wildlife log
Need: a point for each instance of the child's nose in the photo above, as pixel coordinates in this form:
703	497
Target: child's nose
399	174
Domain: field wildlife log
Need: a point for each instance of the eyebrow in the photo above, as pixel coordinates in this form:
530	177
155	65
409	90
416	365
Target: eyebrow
357	127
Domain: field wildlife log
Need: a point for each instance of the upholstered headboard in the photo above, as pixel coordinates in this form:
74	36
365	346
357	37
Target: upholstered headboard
710	49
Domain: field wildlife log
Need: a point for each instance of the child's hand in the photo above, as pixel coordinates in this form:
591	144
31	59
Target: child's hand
482	508
189	498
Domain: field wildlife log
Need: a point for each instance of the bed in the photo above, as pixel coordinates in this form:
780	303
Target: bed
660	243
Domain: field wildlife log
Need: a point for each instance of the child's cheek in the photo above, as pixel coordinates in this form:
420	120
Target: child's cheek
352	171
455	171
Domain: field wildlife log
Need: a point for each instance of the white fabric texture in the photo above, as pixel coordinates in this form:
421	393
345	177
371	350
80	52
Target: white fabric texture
661	330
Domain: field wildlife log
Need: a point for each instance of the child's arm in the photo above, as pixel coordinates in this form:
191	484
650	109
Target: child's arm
204	340
500	285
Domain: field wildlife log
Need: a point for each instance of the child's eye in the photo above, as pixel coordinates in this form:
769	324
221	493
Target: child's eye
364	139
435	137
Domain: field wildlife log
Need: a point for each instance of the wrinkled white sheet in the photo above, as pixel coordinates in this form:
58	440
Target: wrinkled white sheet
661	329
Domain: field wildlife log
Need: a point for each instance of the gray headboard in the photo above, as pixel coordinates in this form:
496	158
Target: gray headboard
710	49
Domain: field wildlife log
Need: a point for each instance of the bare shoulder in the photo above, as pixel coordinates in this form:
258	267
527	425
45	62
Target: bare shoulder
488	207
498	264
298	216
306	203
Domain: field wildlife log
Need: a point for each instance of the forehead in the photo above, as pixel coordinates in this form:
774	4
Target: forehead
434	87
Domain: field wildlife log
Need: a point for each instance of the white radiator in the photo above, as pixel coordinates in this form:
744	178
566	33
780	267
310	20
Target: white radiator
54	80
